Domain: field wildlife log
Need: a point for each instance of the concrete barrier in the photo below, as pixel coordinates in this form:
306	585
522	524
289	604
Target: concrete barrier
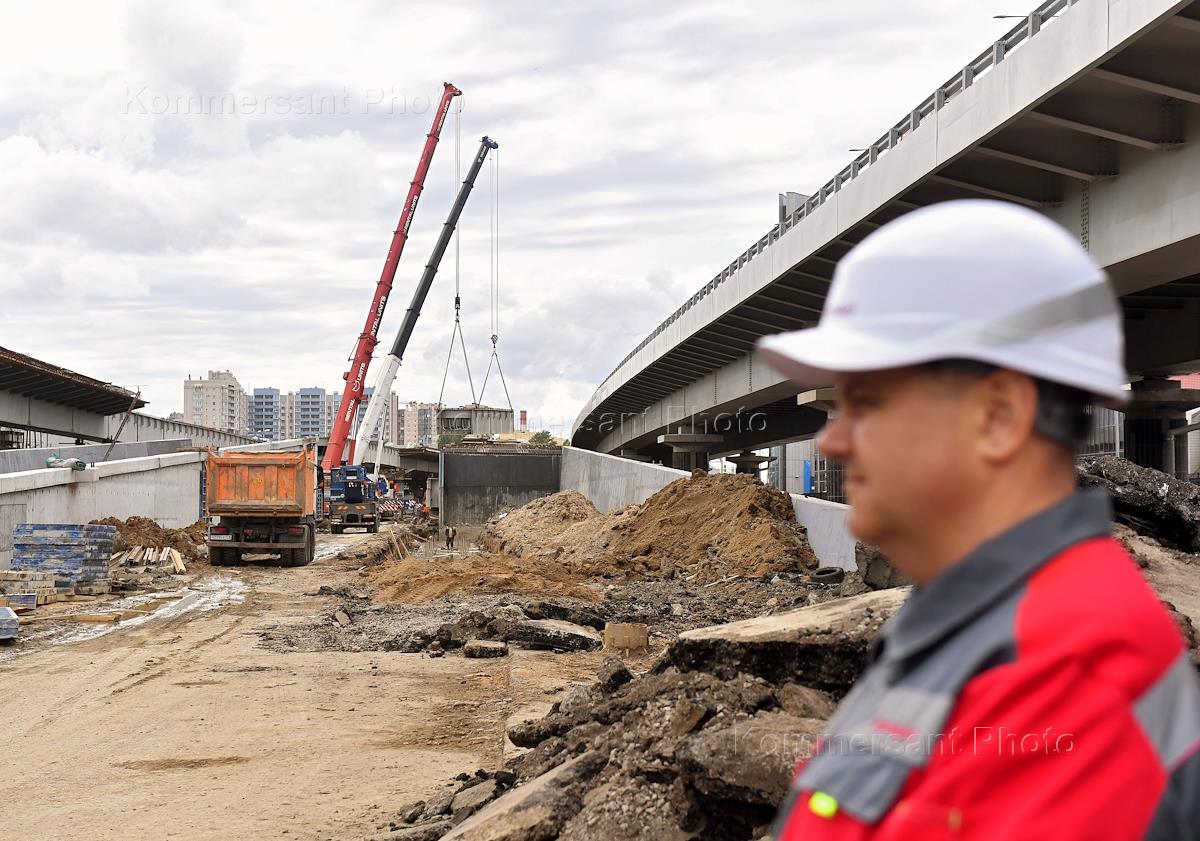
828	533
165	488
13	461
611	482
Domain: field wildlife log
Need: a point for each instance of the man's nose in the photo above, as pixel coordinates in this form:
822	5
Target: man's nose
833	441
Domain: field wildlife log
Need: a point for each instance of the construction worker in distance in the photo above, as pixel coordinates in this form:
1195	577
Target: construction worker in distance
1032	686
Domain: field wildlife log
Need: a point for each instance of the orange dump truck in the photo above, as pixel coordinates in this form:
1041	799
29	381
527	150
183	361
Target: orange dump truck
262	503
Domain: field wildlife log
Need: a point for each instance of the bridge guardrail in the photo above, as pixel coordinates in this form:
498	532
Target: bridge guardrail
963	79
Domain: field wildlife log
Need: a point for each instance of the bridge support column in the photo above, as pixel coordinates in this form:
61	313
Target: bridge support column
1157	406
689	450
750	463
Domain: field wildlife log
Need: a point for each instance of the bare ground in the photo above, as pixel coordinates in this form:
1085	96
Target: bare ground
184	726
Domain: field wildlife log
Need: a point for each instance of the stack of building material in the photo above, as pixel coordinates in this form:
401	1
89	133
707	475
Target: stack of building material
9	625
19	601
75	554
23	588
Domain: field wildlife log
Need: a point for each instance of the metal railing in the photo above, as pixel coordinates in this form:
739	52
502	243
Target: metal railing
963	79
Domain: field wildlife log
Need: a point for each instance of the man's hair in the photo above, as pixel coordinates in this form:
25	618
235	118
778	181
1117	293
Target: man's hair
1064	414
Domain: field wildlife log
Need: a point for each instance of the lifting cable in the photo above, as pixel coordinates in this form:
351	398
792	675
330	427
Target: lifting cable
495	281
457	330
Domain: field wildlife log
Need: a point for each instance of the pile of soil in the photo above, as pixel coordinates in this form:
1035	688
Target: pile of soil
418	578
142	531
705	528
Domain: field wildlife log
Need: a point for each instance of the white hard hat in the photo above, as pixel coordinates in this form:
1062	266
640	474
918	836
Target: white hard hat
976	279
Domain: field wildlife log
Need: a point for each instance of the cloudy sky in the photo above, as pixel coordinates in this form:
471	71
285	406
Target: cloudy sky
216	188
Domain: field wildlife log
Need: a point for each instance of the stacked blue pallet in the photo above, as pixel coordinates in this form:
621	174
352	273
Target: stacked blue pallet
76	554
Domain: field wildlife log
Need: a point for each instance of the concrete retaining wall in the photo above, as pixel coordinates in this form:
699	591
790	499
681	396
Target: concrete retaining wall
13	461
611	482
165	488
828	534
475	486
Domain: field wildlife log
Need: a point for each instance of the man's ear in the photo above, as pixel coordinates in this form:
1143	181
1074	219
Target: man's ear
1007	402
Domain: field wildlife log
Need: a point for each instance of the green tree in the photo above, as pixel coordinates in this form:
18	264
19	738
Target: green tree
541	437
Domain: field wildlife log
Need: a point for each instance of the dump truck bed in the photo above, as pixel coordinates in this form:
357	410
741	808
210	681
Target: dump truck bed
270	484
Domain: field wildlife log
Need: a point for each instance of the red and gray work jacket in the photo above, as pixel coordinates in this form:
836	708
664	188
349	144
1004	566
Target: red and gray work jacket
1036	690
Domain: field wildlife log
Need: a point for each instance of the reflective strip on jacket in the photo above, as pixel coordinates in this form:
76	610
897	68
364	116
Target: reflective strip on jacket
1037	690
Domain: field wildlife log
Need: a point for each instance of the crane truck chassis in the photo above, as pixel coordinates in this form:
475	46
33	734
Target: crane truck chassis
262	503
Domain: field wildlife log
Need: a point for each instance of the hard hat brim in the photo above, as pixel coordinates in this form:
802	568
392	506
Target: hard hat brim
812	357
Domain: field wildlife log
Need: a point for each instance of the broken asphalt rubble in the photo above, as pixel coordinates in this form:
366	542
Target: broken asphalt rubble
702	745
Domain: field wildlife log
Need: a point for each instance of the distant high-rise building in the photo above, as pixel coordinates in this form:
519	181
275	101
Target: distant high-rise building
294	414
218	402
279	415
264	414
310	412
418	428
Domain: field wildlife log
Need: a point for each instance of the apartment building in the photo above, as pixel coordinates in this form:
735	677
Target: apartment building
218	402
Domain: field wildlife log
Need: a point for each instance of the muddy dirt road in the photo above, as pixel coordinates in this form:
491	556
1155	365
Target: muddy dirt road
181	726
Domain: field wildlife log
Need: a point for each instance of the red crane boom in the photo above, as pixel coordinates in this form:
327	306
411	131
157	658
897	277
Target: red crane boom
352	394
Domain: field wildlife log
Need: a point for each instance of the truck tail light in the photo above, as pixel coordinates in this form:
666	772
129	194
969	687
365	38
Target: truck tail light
219	530
248	532
295	530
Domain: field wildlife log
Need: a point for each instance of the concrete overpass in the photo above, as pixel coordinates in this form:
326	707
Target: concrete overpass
40	397
1082	111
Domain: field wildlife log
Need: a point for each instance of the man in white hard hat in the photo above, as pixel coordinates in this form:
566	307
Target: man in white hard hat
1032	686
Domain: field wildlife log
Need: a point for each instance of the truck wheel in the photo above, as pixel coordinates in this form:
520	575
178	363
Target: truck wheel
216	556
310	552
373	529
335	529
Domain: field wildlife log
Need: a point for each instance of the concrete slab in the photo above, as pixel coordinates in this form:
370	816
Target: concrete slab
824	646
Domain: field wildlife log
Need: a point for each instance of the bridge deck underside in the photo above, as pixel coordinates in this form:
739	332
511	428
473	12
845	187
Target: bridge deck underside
1133	106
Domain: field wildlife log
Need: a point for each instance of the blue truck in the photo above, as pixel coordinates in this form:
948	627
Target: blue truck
352	499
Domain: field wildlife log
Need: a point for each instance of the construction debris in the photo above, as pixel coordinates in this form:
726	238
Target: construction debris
1147	500
142	567
823	646
626	636
875	570
10	625
553	634
144	532
702	746
484	649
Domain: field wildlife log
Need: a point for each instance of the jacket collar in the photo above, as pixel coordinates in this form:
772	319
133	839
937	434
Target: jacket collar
995	568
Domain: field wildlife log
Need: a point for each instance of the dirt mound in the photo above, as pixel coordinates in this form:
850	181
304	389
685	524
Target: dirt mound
418	578
705	528
142	531
536	526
